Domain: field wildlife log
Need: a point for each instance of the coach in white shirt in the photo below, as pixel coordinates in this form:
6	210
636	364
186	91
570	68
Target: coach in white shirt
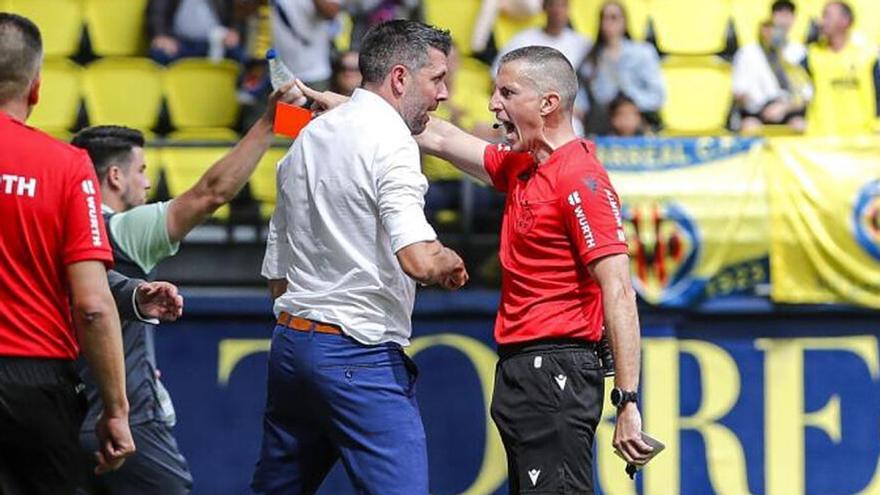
350	238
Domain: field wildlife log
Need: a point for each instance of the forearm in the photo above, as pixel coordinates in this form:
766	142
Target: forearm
100	338
464	151
227	177
123	290
622	325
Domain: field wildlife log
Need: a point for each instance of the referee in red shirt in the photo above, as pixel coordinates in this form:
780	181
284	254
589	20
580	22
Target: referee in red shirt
565	278
53	257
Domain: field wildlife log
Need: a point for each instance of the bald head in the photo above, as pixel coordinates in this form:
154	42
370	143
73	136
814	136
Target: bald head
21	50
546	70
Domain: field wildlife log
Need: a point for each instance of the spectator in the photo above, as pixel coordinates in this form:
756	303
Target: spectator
846	76
555	34
367	13
192	28
302	34
489	12
617	64
767	88
625	117
346	74
782	14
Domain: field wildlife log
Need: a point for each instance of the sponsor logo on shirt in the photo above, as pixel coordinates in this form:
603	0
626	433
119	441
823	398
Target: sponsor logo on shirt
18	185
574	199
88	188
615	209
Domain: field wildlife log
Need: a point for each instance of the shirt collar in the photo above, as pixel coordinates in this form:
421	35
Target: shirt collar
368	98
106	209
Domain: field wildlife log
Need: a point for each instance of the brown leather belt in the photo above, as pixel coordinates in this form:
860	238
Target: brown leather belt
304	325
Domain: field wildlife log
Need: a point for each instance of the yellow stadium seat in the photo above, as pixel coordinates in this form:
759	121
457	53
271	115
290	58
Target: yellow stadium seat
116	28
507	27
201	93
690	27
184	166
458	16
123	91
637	17
698	94
342	41
262	182
195	134
584	15
60	97
867	19
473	89
60	23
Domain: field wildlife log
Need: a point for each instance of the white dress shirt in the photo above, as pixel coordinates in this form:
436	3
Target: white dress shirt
350	195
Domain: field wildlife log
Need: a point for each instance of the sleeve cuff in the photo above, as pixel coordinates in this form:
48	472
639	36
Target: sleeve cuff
137	313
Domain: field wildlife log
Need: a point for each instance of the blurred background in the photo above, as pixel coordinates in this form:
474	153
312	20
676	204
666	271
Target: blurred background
741	135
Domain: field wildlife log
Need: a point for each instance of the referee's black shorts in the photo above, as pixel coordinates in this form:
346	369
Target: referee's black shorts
547	403
41	408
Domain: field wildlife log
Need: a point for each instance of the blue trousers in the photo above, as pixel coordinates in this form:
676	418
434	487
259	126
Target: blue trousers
331	398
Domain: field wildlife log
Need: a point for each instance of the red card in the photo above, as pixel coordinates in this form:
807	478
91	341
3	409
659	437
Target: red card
290	119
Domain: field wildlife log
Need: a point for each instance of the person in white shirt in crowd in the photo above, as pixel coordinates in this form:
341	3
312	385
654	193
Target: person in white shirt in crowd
348	242
767	88
302	31
617	64
555	34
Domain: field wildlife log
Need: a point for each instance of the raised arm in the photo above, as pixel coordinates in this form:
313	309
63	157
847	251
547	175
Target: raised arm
224	179
465	151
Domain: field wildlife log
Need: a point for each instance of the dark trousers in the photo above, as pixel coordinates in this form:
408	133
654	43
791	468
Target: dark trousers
157	467
547	404
41	408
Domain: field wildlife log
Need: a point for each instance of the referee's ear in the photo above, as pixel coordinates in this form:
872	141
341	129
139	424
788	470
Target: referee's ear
550	103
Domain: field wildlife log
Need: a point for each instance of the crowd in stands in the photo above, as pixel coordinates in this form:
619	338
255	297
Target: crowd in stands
646	67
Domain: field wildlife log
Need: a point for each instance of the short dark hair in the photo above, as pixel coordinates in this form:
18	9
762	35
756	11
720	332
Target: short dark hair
21	49
547	69
620	100
783	5
108	145
399	42
846	8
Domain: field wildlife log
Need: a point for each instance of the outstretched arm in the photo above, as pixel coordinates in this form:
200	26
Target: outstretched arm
465	151
224	179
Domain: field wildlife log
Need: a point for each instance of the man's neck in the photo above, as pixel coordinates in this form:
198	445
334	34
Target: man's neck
837	42
384	92
554	30
554	138
112	201
17	110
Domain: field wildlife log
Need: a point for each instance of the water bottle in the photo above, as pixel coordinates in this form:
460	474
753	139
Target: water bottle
279	74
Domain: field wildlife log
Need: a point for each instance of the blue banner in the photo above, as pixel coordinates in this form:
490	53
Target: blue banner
756	403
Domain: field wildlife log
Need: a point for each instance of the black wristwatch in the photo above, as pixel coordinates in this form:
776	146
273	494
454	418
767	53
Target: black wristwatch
620	397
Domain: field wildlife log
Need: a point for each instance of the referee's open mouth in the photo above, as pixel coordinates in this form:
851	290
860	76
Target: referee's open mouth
510	131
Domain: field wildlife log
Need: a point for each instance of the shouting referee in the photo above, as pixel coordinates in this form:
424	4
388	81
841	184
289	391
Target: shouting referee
53	254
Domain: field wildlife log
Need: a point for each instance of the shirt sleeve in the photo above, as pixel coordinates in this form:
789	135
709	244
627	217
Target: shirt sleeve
494	157
591	210
400	194
85	238
142	234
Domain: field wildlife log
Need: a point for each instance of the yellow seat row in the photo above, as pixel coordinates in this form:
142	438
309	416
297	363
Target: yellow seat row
115	27
200	95
686	27
184	165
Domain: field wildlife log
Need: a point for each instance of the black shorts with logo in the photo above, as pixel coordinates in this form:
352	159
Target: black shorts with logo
41	408
546	404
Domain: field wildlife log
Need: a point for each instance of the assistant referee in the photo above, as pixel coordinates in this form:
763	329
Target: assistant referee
53	257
